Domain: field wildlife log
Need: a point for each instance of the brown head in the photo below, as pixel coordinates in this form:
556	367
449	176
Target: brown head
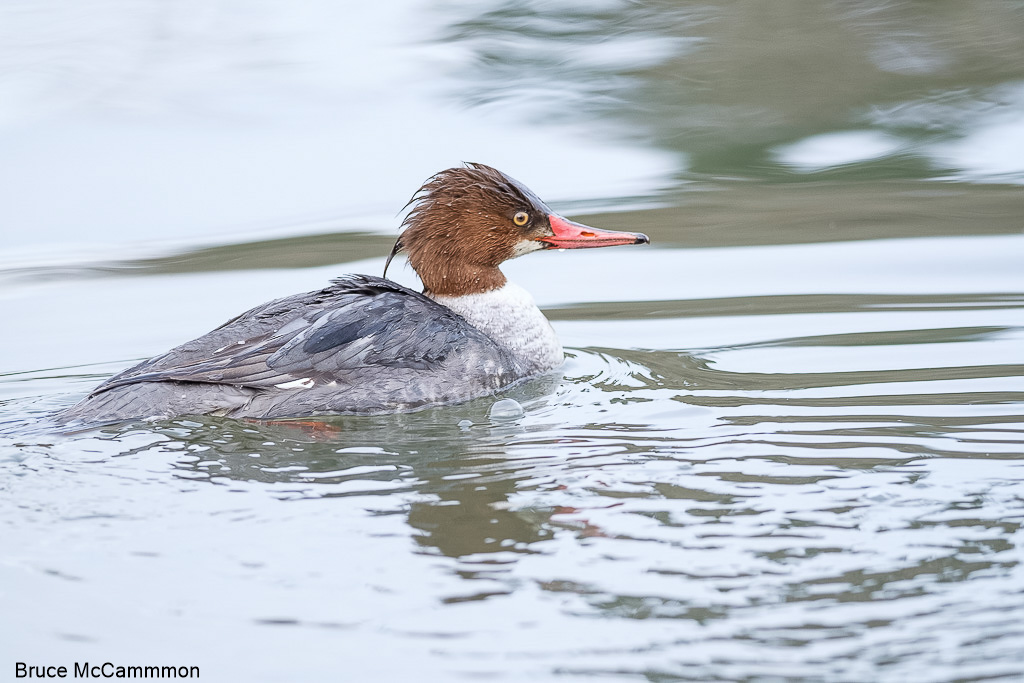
466	221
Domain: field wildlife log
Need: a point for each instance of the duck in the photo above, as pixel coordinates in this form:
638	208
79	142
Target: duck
365	345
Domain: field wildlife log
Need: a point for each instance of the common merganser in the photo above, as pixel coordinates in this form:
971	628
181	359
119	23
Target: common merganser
366	345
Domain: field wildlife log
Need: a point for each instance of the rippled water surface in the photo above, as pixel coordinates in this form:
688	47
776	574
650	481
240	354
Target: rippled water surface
788	439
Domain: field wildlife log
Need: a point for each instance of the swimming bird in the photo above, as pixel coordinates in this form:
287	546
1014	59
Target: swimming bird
367	345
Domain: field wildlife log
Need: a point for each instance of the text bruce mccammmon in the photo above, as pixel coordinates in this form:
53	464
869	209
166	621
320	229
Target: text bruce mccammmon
104	670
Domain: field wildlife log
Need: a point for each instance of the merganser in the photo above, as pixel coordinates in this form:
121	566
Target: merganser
366	345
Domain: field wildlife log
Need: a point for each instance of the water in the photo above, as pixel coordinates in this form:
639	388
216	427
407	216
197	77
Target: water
788	440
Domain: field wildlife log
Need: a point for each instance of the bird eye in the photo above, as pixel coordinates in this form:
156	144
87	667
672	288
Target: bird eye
521	218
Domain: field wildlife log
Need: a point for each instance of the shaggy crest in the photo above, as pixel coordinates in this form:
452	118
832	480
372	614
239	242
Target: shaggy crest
456	231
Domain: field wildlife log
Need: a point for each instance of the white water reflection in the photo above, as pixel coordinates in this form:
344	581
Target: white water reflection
992	150
138	123
976	133
980	140
836	149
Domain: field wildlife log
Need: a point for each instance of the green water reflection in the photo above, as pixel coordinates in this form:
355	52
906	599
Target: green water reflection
727	85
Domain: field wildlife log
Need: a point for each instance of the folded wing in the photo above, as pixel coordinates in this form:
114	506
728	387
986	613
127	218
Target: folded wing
361	345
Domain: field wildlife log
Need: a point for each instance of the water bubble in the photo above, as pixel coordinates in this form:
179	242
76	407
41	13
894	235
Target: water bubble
464	425
506	409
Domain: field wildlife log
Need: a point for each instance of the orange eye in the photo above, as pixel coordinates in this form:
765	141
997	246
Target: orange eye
521	218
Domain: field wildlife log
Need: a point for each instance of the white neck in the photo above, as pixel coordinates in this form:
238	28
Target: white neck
509	316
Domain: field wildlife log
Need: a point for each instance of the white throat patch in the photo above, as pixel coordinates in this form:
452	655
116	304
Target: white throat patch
526	246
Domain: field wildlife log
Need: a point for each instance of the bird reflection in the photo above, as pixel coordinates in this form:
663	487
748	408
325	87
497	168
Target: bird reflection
464	475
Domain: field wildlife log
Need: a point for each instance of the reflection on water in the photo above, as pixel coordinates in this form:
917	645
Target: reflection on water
647	501
766	90
829	484
788	442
